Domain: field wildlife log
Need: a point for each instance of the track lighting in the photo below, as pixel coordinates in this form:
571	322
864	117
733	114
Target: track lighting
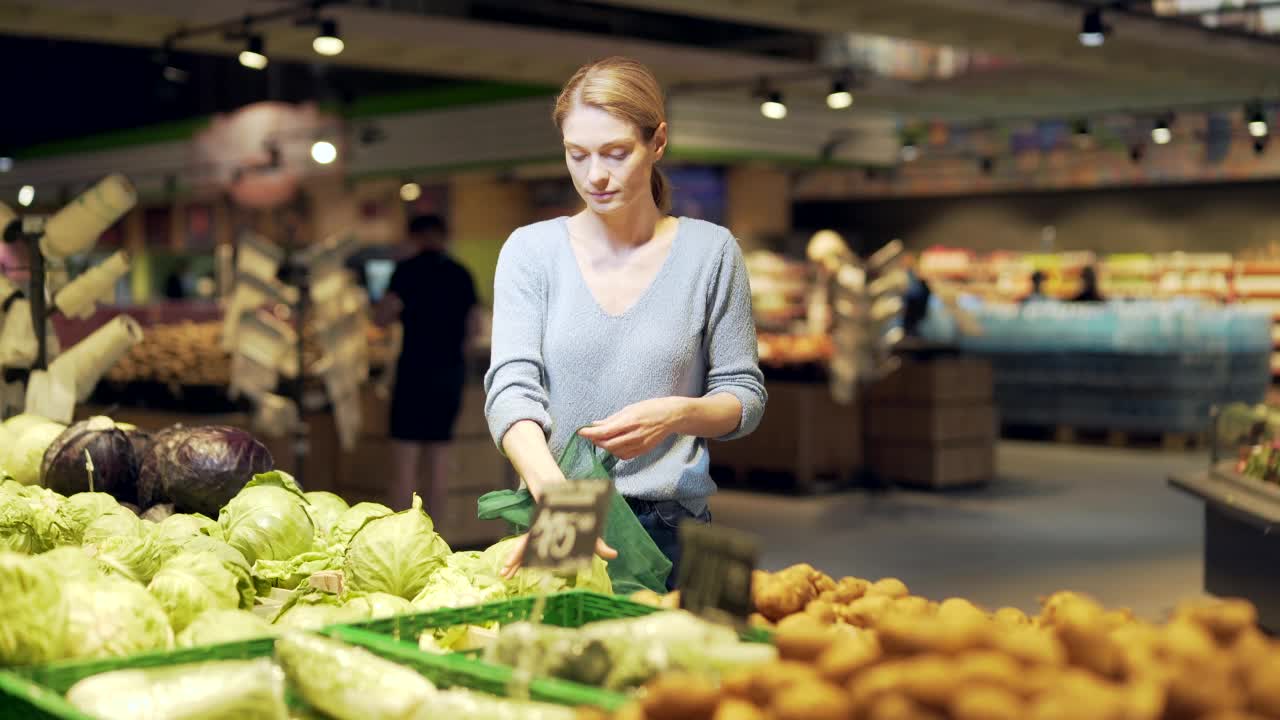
254	55
410	191
26	196
839	98
1093	32
1257	121
324	152
327	41
773	107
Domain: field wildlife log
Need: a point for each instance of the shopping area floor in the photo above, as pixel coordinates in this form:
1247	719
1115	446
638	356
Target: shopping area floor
1098	520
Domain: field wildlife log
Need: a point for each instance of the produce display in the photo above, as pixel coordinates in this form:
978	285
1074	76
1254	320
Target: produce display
854	649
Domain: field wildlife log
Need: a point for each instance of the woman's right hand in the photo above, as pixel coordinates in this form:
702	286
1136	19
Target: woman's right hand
516	559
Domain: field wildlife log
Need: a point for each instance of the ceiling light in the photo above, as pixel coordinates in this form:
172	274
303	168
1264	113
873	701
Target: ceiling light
1093	32
773	107
839	98
1161	134
327	42
26	196
1257	122
6	164
324	152
254	55
410	191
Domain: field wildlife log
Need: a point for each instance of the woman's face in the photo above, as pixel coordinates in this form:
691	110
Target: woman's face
609	161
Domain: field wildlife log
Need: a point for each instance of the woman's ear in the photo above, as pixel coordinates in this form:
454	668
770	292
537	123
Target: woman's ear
659	141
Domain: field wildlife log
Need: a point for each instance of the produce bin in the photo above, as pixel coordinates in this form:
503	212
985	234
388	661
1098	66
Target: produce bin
37	692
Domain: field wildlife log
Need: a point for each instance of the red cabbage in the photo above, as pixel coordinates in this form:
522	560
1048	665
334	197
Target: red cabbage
65	468
208	465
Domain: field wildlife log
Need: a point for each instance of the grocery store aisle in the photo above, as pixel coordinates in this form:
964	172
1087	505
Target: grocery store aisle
1092	519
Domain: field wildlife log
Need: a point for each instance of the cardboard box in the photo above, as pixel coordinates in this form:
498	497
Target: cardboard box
934	424
940	380
935	466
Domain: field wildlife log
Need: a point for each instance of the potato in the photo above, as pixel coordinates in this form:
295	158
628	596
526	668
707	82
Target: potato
1029	645
632	711
1011	616
850	589
680	696
769	680
890	587
1262	684
913	605
988	667
959	608
1201	688
896	706
865	612
735	709
1224	618
876	681
803	638
822	611
1186	640
846	657
931	681
811	701
984	702
759	621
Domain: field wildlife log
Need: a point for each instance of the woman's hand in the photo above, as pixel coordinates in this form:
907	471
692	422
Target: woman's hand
638	428
516	558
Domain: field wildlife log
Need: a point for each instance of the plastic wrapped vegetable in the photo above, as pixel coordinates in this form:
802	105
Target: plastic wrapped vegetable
65	468
213	627
351	683
218	690
268	519
395	554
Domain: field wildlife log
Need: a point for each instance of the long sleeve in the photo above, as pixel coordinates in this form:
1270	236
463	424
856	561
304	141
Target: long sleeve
733	363
515	383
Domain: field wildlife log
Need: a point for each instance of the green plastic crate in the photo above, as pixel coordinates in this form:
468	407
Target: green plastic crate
571	609
36	692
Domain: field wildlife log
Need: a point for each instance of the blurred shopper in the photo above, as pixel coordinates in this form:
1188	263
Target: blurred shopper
434	298
1037	288
1089	286
622	318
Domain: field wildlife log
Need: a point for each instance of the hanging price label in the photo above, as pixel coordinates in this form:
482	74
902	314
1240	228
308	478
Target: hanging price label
715	572
567	524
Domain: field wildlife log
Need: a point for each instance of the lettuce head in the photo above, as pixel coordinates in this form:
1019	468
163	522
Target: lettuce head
214	627
32	610
113	617
190	583
269	519
395	554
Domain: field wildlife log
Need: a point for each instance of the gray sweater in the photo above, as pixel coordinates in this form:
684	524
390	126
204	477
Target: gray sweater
558	359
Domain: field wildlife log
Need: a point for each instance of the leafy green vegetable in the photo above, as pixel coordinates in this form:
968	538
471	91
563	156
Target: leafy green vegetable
528	581
213	627
218	690
190	583
378	605
113	522
32	612
367	688
287	574
26	453
350	522
31	519
395	554
83	509
134	557
112	617
183	525
70	563
268	519
450	587
326	508
312	611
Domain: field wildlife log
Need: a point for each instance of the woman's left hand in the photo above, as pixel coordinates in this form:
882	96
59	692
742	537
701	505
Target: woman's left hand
637	429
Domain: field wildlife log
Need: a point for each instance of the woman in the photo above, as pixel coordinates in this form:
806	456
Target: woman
622	318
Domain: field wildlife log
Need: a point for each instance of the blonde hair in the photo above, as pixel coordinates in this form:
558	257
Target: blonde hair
628	91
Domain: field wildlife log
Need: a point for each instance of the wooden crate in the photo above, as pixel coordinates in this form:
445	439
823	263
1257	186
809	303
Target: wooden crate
934	423
939	380
935	466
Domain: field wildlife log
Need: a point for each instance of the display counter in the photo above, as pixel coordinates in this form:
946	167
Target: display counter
1241	552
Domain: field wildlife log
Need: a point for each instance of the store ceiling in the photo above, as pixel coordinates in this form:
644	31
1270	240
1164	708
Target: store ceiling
1010	57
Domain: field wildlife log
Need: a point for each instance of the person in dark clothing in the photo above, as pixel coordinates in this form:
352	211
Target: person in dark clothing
434	299
1089	286
1037	287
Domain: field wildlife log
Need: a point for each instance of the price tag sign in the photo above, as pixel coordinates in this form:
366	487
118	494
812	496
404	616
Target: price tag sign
567	524
715	572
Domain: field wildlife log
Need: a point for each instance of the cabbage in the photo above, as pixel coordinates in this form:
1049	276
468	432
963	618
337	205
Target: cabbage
70	563
217	690
202	468
135	557
31	519
350	522
114	522
530	581
113	617
268	519
395	554
191	583
378	605
287	574
153	461
26	453
82	509
317	610
182	525
32	613
213	627
19	424
230	557
326	508
367	688
65	466
449	587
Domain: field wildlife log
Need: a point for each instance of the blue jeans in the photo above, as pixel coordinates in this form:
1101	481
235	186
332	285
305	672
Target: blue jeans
662	521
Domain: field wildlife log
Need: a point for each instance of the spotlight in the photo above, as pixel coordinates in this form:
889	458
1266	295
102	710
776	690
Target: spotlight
910	151
26	196
327	42
1161	134
410	191
324	152
839	98
254	55
1093	32
773	107
1257	122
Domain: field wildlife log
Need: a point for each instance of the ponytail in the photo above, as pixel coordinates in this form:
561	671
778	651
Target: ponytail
661	188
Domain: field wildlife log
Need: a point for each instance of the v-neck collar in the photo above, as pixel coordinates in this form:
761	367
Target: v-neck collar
582	280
